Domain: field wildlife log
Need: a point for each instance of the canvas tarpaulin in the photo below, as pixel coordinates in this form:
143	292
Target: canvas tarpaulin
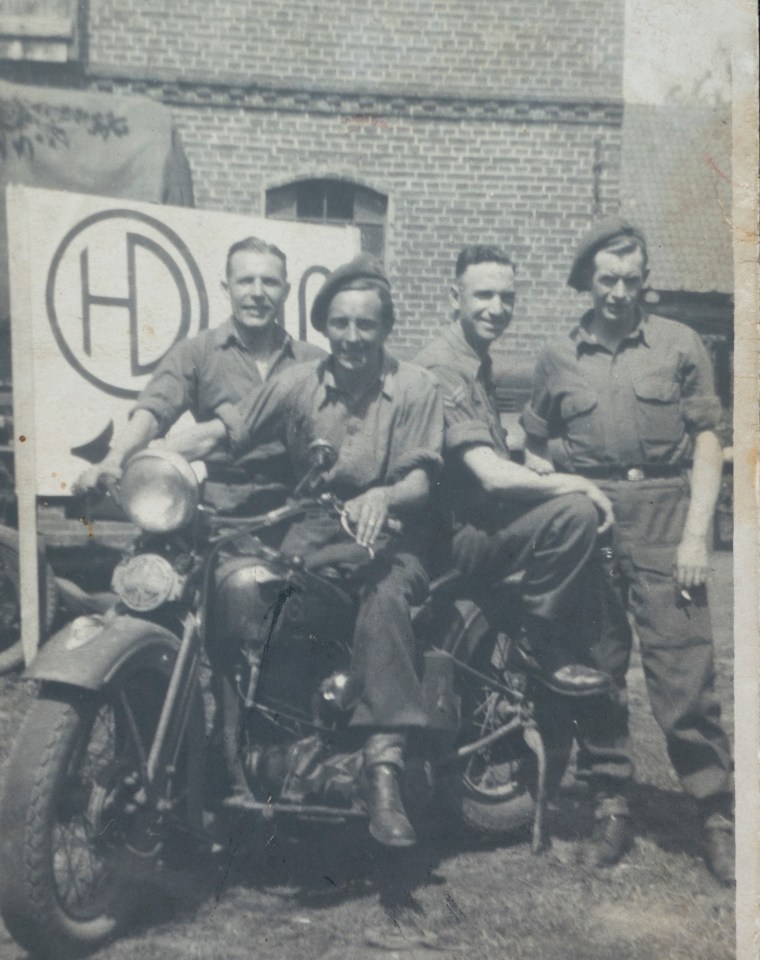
87	142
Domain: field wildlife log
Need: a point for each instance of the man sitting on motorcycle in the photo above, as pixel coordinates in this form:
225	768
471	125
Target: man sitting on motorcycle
221	365
506	519
385	420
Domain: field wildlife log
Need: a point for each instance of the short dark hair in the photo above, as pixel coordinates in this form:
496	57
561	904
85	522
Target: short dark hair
620	246
255	245
388	315
481	253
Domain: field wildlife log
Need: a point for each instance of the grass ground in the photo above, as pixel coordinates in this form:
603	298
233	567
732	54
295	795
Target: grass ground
314	891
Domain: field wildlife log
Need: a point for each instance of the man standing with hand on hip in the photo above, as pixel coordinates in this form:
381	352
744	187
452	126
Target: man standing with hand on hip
627	400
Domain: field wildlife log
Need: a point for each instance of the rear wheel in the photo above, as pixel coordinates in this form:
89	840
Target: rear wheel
493	791
11	652
76	832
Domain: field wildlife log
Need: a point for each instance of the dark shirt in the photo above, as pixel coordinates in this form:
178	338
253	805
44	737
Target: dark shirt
641	404
470	412
207	375
393	428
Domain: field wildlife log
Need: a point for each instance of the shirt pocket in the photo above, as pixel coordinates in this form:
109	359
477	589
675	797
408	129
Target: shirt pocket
582	428
658	411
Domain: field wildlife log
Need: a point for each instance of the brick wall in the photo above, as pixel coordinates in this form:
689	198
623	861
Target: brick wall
502	47
526	186
478	119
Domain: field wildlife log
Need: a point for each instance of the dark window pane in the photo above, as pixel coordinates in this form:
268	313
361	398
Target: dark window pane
373	239
340	200
281	202
311	200
370	206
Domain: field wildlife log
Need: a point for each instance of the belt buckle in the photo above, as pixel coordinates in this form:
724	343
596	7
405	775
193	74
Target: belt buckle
635	473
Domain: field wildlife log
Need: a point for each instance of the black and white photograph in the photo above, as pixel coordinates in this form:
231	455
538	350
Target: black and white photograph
378	478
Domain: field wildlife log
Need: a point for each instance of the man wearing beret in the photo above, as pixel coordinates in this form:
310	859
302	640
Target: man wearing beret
627	400
384	418
220	366
506	519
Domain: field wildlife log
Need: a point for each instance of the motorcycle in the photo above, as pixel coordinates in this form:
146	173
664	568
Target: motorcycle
125	748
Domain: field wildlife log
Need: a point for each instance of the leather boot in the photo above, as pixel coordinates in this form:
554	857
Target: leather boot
720	855
613	832
544	656
388	822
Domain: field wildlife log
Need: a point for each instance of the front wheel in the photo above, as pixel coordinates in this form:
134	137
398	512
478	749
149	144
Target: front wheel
76	831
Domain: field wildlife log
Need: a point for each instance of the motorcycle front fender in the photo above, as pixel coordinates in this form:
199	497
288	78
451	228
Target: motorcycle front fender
89	651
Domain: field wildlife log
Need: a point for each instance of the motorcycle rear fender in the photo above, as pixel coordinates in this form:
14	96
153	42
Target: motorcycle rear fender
89	651
466	629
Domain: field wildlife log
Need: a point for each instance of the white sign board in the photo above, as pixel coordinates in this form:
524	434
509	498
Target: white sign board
100	290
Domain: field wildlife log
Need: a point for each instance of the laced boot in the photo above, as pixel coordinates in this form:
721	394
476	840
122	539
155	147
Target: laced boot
613	833
388	822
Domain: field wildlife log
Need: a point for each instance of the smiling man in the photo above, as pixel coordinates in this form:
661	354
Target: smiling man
384	420
217	369
627	400
506	519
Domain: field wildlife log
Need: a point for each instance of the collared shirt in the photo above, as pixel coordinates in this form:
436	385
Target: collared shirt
469	398
393	428
471	419
209	374
214	367
641	404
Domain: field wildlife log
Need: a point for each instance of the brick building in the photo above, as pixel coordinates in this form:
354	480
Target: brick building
430	123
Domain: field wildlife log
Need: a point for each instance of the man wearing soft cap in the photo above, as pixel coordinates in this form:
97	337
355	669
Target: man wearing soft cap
627	401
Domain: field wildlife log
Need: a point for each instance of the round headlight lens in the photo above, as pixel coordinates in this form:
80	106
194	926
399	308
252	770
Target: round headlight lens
145	582
158	491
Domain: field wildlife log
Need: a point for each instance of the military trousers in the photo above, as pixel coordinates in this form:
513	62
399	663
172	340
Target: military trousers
634	575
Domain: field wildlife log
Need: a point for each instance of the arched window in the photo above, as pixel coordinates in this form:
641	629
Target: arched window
333	201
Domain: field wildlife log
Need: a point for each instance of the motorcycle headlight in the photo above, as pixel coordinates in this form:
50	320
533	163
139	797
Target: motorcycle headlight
158	491
146	581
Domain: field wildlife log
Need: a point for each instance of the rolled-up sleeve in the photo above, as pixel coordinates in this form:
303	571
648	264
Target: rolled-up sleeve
536	414
417	441
172	389
700	406
463	425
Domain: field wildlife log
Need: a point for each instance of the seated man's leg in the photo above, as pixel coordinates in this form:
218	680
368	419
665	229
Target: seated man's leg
385	660
549	544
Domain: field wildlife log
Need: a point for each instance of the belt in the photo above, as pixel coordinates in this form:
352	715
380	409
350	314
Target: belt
644	472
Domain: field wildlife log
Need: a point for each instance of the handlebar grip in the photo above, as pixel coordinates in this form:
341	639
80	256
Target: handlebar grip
109	486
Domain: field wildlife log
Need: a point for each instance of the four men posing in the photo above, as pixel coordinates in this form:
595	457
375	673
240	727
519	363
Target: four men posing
619	409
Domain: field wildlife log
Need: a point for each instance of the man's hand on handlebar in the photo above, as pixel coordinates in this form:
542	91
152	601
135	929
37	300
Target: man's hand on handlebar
92	479
368	513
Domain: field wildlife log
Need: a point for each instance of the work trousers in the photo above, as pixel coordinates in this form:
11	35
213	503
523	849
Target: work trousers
385	657
635	575
548	544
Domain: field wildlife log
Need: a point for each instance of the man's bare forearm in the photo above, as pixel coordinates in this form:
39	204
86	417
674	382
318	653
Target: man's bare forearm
198	441
705	484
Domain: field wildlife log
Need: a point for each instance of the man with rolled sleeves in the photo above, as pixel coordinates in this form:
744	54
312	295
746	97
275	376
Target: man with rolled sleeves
216	369
506	519
627	400
385	422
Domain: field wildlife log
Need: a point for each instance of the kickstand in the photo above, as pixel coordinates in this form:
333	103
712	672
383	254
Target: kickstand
534	740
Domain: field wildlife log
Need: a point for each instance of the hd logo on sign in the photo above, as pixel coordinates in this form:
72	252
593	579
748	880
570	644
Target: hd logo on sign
114	326
101	289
